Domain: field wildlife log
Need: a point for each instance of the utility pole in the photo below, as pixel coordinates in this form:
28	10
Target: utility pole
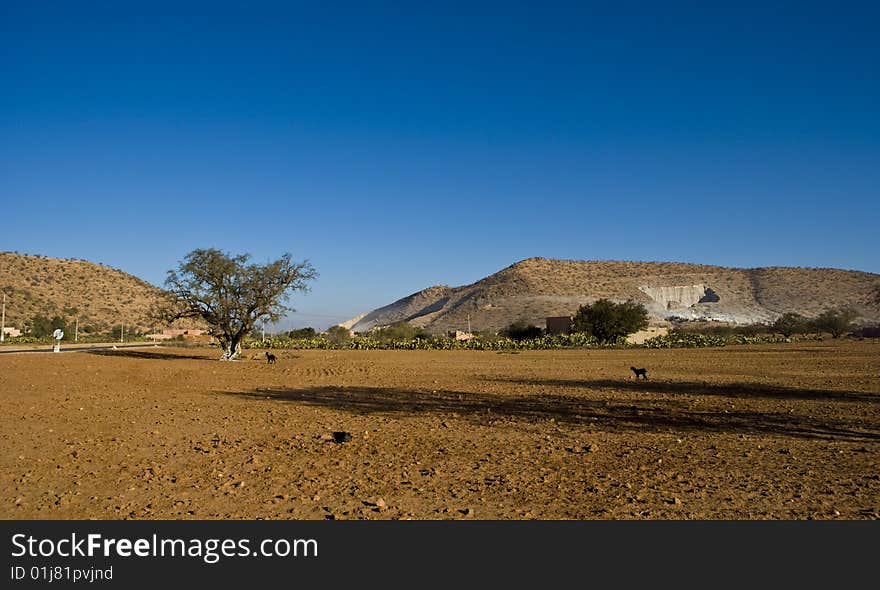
122	333
3	321
469	323
76	331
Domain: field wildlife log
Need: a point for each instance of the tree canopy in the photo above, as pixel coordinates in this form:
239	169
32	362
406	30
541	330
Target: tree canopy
608	321
522	330
835	321
302	333
42	326
338	334
790	323
231	295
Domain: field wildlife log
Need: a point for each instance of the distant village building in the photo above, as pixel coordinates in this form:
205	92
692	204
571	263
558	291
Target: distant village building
460	335
11	332
191	335
559	325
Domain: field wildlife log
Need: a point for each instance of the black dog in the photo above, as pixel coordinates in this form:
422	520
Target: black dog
270	358
642	372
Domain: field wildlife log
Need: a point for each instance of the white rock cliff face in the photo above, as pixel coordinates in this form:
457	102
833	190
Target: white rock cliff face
697	302
677	296
349	324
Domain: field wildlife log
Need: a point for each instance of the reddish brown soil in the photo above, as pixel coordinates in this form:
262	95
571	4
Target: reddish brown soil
763	432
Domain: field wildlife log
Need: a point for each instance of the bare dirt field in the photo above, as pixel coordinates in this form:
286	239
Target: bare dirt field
761	432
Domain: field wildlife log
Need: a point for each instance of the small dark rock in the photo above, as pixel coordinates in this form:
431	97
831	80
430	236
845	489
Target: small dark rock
341	437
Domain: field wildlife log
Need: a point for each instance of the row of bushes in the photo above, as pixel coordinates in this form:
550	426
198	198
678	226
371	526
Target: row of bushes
675	339
39	330
836	322
431	343
683	339
68	339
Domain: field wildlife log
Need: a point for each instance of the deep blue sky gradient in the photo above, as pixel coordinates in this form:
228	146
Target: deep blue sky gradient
403	144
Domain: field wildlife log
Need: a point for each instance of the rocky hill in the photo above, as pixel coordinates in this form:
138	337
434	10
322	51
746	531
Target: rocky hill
536	288
100	296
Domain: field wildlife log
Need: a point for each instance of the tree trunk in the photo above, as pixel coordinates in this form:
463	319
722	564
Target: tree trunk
231	349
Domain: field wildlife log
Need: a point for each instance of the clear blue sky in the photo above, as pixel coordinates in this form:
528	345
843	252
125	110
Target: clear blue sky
400	145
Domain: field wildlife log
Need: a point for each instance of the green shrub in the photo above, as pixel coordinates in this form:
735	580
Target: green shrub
400	331
837	322
522	331
789	324
338	335
610	322
302	333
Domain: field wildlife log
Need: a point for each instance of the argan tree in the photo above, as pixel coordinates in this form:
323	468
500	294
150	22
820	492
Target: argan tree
790	323
836	321
608	321
302	333
231	295
337	334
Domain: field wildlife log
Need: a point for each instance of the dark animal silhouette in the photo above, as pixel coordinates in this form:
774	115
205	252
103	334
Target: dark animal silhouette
270	358
638	372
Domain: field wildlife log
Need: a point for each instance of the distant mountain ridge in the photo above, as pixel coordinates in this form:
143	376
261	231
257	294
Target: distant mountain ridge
536	288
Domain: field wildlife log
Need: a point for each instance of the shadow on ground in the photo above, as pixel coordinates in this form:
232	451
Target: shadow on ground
692	388
650	415
143	354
